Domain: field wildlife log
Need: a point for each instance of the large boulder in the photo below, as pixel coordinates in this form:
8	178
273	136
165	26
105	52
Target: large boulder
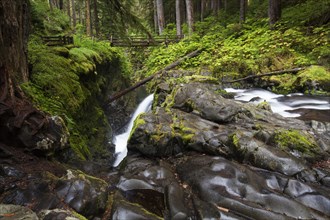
195	117
230	160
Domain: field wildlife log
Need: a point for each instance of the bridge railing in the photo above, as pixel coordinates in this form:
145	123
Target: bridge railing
134	41
57	40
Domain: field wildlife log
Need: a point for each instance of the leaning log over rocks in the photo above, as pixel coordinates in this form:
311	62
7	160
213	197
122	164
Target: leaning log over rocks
142	82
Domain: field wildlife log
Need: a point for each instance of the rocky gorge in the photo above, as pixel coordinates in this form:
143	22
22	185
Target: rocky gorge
198	154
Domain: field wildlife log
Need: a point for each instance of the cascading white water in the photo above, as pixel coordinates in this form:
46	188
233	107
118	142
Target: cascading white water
281	104
121	140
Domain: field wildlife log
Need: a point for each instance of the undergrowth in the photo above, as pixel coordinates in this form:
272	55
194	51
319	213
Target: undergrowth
232	50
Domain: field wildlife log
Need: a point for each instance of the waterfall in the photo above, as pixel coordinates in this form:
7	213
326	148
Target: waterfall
121	140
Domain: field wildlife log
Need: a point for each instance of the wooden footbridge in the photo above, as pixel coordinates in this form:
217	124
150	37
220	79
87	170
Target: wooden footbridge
141	41
131	41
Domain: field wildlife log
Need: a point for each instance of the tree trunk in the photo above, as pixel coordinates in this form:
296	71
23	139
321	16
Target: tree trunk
225	5
68	11
155	16
74	19
88	18
178	18
96	19
21	124
215	7
61	5
160	16
190	17
202	9
243	5
274	11
14	28
50	4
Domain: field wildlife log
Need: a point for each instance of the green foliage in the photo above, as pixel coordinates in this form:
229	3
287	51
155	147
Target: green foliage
314	79
64	81
46	21
232	50
307	12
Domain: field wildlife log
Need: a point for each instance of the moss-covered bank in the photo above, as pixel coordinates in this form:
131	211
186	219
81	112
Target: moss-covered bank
73	82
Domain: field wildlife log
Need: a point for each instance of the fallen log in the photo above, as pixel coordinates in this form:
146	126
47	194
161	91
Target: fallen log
142	82
279	72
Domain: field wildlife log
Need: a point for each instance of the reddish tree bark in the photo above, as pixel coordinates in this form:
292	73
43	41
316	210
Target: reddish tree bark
20	123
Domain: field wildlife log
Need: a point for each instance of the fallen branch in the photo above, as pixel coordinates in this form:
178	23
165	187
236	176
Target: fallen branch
279	72
142	82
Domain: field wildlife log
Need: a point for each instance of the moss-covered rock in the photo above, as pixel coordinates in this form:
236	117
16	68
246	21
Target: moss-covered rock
73	82
312	80
298	142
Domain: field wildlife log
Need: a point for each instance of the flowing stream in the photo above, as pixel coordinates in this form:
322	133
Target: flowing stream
292	105
121	140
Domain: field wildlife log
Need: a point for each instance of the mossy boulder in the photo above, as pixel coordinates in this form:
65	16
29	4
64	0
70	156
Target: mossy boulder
312	80
195	117
73	82
297	142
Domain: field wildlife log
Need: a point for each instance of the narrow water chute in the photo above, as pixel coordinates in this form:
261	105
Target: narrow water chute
120	141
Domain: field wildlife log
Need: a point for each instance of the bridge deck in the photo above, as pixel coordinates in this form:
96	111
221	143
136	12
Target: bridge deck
143	41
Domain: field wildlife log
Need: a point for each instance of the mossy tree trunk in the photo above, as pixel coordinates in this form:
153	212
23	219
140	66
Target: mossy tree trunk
20	123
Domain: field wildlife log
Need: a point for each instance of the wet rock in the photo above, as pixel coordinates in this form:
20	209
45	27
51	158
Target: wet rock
48	139
86	194
10	171
27	196
314	197
10	212
125	210
242	190
152	186
175	201
59	214
207	103
207	210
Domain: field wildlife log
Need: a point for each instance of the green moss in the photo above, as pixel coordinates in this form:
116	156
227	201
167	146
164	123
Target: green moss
64	82
264	105
314	79
235	140
77	215
170	99
296	140
137	122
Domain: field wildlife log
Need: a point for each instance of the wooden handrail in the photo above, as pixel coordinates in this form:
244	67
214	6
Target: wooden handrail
143	41
57	40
